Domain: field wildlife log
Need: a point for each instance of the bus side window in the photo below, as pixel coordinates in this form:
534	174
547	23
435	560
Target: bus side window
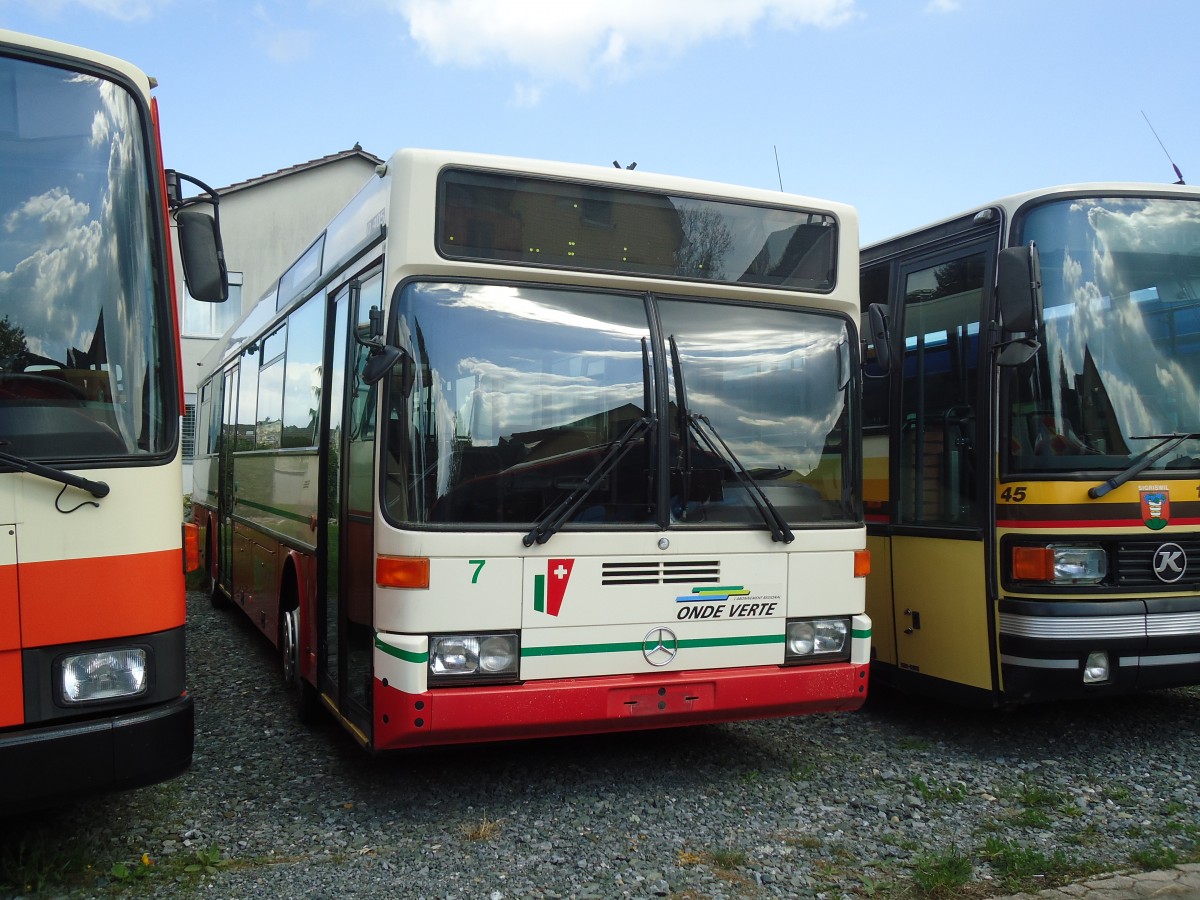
942	305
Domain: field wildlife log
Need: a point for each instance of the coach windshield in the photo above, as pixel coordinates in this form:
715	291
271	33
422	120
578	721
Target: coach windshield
1119	369
82	371
518	394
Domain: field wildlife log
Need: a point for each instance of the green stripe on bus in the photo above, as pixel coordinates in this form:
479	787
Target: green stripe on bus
282	513
402	655
631	646
860	633
539	593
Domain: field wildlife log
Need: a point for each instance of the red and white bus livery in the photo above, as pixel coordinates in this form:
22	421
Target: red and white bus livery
522	449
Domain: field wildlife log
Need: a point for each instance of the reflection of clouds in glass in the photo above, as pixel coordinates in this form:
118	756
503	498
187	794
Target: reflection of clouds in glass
510	399
76	252
534	306
47	218
775	405
1152	226
67	258
1146	387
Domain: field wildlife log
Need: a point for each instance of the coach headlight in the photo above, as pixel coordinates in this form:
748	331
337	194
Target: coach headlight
472	658
817	640
104	675
1060	564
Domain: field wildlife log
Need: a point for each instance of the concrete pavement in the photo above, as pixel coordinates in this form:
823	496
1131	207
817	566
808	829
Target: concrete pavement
1178	882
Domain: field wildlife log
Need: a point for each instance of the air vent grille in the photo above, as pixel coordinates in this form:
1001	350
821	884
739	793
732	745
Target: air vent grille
676	571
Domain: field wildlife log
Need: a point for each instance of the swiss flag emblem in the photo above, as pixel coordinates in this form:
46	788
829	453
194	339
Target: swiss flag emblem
558	573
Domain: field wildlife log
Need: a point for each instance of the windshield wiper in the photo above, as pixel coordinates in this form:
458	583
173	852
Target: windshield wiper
545	527
1142	462
766	509
770	515
95	488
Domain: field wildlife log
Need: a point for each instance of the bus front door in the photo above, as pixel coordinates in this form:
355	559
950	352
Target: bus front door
345	617
939	597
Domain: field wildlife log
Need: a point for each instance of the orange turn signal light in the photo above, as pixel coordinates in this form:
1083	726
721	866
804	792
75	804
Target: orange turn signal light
862	563
402	571
1033	564
191	547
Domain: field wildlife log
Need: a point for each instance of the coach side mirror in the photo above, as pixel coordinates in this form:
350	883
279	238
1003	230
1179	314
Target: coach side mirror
1019	300
380	362
202	257
1019	288
200	249
881	339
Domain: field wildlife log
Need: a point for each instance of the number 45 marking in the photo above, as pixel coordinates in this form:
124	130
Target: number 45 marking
478	564
1013	495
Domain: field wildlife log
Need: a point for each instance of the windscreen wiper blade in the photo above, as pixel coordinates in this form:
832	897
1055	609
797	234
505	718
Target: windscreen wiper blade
552	521
95	488
1143	462
770	514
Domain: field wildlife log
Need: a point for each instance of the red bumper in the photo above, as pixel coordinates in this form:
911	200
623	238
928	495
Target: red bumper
614	703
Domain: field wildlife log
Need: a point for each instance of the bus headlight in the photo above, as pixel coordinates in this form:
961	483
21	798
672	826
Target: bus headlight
463	658
817	640
1060	564
104	675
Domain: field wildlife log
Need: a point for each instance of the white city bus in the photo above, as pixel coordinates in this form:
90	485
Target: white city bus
519	448
92	693
1033	457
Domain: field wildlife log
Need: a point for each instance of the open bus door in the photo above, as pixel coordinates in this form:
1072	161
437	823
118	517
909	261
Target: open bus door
936	547
346	605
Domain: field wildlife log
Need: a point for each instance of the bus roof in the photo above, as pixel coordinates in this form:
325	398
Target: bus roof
1008	205
56	51
411	173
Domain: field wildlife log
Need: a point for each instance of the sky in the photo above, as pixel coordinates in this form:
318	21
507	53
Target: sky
910	110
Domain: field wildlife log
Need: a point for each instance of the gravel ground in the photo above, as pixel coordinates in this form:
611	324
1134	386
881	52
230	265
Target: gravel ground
842	805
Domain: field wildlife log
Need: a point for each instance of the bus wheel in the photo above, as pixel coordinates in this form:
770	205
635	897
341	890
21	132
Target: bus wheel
289	651
216	597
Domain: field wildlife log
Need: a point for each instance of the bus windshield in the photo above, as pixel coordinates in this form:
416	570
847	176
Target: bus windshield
517	394
82	368
1118	372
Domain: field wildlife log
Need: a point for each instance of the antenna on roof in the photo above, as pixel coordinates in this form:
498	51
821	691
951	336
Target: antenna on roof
1178	174
778	171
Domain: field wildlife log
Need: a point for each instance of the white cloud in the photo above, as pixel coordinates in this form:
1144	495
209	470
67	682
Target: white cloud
289	44
943	6
577	41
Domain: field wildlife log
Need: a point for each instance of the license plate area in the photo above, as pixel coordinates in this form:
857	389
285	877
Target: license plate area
661	700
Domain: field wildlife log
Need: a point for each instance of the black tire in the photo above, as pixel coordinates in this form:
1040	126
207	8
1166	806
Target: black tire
306	702
216	597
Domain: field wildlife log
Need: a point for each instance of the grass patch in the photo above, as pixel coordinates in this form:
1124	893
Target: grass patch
948	793
942	874
1156	856
727	858
483	830
1019	868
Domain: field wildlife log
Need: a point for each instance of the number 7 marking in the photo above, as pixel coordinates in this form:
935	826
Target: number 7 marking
478	564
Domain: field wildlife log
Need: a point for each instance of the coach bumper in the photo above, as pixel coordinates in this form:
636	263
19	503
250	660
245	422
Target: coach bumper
1062	650
59	763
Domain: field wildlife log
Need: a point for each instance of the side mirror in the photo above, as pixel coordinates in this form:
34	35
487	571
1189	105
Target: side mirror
1019	288
203	259
1019	300
380	362
877	324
